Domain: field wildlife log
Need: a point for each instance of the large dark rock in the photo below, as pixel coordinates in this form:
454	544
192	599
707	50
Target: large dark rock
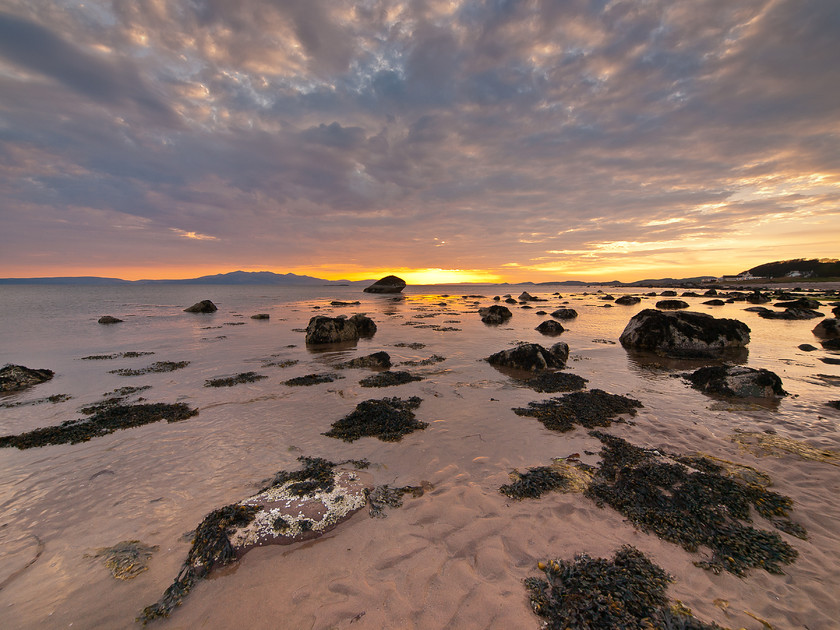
526	297
740	381
14	378
756	297
323	329
496	314
388	284
791	313
550	327
205	306
714	302
684	334
628	300
108	319
828	329
377	360
531	357
671	305
799	303
564	313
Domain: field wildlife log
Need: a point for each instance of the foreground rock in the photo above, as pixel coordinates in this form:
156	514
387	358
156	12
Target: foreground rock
550	327
828	329
205	306
531	357
108	319
323	329
495	314
739	381
388	284
14	378
684	334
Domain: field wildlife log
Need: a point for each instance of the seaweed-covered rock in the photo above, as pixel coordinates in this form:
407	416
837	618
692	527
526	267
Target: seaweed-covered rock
495	314
388	419
684	334
530	356
565	474
389	378
386	496
261	316
791	313
553	382
564	313
671	305
627	592
230	381
828	329
737	380
628	300
377	360
388	284
550	327
156	367
205	306
14	378
323	329
595	408
109	319
311	379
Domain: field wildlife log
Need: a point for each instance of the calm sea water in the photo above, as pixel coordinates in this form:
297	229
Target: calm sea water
154	483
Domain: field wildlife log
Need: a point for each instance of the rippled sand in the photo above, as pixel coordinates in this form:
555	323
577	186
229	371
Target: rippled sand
454	558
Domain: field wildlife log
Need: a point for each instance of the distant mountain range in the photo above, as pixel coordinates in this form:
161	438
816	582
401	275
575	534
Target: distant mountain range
234	277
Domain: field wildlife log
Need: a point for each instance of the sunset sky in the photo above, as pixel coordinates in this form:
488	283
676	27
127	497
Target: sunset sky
442	141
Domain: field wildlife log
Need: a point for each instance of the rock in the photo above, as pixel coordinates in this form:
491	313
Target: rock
377	360
757	298
758	309
799	303
689	294
340	303
607	298
710	293
510	301
496	298
14	378
388	419
388	284
389	379
739	381
684	334
205	306
108	319
531	357
526	297
671	305
828	329
830	360
323	329
261	316
564	313
668	294
831	344
791	313
836	311
714	302
628	300
807	347
495	314
550	327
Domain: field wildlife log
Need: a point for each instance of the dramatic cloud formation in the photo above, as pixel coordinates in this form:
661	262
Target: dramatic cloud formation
523	139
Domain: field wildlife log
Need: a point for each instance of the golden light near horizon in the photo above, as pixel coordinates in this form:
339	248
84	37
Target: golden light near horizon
433	275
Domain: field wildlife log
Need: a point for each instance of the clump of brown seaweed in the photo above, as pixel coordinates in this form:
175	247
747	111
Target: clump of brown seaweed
594	408
389	379
628	592
116	355
311	379
553	382
767	444
385	496
157	366
694	502
564	475
388	419
127	559
230	381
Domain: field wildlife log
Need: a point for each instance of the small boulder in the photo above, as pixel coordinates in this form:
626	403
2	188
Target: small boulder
531	357
205	306
628	300
526	297
108	319
807	347
828	329
684	334
738	381
799	303
710	293
668	293
757	297
791	313
261	316
496	314
714	302
377	360
550	327
323	329
14	378
564	313
388	284
671	305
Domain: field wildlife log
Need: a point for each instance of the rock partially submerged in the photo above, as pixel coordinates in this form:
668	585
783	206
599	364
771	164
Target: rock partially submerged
388	419
595	408
311	379
323	329
205	306
564	313
828	329
14	378
389	378
377	360
791	313
550	327
628	300
671	305
230	381
495	314
684	334
109	319
553	382
737	380
531	357
388	284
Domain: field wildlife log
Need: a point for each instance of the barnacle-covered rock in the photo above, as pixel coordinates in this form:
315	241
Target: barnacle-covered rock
737	380
17	377
531	357
684	334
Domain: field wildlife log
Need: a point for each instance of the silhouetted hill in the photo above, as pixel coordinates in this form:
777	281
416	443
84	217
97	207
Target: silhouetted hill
806	267
234	277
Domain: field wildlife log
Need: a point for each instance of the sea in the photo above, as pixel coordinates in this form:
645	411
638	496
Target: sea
453	558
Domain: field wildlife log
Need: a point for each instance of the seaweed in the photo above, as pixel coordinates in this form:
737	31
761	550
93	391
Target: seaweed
55	398
694	507
385	496
435	358
762	444
311	379
534	483
376	360
104	421
112	399
230	381
388	419
158	366
628	591
127	559
388	379
553	382
116	355
595	408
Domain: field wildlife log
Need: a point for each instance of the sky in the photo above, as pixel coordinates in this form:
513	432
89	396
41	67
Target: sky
473	140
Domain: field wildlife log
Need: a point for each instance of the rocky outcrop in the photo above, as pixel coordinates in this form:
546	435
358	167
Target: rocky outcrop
323	329
108	319
671	305
205	306
526	297
828	329
714	302
628	300
495	314
684	334
531	357
791	313
550	327
807	303
564	313
14	378
756	297
737	380
388	284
